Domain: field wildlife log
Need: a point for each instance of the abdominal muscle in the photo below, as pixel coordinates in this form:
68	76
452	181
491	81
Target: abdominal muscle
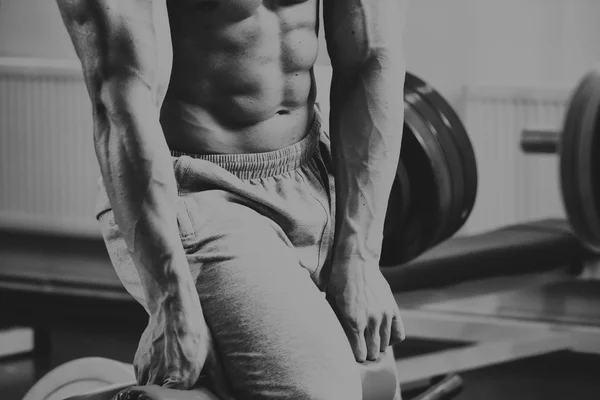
242	79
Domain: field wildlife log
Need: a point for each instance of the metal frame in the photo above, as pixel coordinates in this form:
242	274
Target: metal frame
469	313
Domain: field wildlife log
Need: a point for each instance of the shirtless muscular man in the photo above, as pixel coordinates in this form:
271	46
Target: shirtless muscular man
250	235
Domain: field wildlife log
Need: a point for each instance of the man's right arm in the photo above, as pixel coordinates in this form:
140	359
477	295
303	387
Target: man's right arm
125	51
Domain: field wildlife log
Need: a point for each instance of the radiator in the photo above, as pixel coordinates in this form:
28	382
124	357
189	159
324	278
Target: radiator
48	170
513	187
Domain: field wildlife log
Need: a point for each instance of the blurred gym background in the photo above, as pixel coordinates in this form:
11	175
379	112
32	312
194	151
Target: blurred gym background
504	65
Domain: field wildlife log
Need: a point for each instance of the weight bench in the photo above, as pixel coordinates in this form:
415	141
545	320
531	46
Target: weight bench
511	250
431	289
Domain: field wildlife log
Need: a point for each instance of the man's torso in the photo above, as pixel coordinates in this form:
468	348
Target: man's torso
242	79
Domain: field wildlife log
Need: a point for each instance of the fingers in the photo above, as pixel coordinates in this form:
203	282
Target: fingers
373	339
358	344
385	332
397	334
133	393
369	343
380	336
123	395
173	383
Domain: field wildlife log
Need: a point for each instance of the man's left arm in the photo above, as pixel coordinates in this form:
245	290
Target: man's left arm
364	41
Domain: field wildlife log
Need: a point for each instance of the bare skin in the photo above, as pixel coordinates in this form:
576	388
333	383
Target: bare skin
239	79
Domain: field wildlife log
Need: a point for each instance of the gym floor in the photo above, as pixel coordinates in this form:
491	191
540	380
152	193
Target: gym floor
559	376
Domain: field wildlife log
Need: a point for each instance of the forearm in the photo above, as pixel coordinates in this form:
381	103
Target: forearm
366	119
138	175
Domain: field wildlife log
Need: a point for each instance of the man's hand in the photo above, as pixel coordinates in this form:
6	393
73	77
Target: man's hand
366	308
126	56
364	43
174	346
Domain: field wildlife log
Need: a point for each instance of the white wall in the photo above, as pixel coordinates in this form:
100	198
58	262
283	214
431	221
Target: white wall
33	28
453	43
449	42
502	42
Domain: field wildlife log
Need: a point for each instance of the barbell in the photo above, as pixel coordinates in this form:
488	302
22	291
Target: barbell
436	181
578	147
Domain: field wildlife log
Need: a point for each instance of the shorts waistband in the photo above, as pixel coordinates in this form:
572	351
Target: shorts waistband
263	165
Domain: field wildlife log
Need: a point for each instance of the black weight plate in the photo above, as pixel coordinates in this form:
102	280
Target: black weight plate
588	162
459	133
579	165
433	148
429	175
395	217
398	202
416	233
569	173
404	182
451	153
568	156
